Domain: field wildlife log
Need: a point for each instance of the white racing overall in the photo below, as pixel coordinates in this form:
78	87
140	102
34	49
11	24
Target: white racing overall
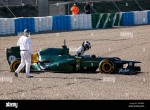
25	52
80	51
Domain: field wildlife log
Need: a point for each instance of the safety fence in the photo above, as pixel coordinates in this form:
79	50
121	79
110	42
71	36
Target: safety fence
65	23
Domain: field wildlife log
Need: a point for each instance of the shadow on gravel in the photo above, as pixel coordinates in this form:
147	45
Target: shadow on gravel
136	73
74	78
42	72
97	72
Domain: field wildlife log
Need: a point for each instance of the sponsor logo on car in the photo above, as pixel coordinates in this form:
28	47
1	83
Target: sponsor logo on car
11	58
124	70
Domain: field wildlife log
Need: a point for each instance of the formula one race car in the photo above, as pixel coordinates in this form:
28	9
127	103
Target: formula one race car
59	60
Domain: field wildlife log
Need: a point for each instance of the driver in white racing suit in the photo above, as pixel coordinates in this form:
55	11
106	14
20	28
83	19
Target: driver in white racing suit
86	45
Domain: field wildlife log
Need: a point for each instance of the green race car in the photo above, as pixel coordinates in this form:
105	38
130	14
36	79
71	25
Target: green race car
59	60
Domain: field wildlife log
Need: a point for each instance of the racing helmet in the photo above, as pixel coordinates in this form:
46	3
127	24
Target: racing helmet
26	32
87	45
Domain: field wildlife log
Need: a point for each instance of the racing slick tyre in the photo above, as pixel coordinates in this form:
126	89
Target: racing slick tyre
106	66
14	65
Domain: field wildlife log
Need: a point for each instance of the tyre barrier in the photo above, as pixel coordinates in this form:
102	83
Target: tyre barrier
7	26
127	19
148	16
140	17
82	21
106	20
61	23
71	22
24	23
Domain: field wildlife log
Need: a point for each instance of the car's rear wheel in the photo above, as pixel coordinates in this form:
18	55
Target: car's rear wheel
106	66
14	65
